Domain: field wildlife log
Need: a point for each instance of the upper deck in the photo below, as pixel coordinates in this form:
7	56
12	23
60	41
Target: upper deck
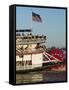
28	38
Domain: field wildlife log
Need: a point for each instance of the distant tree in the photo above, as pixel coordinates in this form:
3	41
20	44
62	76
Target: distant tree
52	48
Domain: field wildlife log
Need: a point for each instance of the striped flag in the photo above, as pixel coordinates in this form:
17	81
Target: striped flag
36	17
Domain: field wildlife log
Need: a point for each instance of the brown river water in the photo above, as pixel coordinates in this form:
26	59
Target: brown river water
41	76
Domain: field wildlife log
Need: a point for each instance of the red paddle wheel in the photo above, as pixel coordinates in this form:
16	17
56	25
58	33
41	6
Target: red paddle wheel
53	56
57	54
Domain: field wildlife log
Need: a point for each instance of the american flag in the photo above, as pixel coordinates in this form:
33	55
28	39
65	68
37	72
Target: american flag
36	17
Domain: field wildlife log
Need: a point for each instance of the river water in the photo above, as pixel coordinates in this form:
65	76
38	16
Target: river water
41	76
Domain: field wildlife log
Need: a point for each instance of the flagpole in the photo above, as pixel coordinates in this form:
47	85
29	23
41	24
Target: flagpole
31	19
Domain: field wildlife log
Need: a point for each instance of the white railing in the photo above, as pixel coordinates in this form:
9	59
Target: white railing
47	55
29	41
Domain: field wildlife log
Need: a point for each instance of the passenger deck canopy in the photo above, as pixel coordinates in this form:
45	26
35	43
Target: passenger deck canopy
24	30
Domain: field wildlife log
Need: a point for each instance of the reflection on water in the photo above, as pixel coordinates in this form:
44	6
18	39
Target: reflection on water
29	77
42	76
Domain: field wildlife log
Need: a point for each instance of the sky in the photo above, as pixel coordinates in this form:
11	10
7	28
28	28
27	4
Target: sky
53	24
